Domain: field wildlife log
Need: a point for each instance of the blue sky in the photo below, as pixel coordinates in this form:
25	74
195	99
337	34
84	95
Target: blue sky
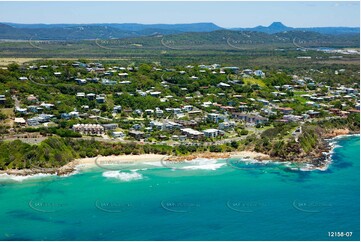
224	14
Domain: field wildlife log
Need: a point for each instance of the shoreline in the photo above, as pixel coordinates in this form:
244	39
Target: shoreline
91	162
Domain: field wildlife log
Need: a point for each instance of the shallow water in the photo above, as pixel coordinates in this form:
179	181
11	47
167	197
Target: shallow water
208	200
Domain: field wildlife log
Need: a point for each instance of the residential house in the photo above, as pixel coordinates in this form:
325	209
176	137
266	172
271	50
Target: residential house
20	121
112	126
21	110
231	69
117	109
215	117
23	78
156	124
137	126
136	134
123	75
313	114
191	133
47	105
159	112
80	95
211	133
65	116
250	118
155	94
32	122
149	111
259	73
286	110
2	99
118	134
248	72
32	98
226	125
108	82
187	108
170	125
91	96
100	98
81	81
223	85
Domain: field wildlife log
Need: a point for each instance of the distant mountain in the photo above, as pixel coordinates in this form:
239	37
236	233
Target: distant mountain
275	27
130	30
8	32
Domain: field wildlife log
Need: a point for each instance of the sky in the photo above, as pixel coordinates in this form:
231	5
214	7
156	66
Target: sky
224	14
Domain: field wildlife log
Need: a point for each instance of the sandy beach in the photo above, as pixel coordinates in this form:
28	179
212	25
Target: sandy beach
103	161
113	159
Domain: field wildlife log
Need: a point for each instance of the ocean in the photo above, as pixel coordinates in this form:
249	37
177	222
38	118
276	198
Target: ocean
205	200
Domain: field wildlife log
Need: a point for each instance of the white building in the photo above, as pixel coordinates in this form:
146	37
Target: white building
211	133
89	129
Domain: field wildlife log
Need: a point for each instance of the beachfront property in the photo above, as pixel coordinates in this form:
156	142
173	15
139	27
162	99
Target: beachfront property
88	129
136	134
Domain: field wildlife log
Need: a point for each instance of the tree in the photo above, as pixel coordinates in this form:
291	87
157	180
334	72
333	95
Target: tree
13	67
2	116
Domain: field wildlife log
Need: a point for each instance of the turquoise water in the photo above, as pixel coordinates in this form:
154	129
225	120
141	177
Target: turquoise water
217	202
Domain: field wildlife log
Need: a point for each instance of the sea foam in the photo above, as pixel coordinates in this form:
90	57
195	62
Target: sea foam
7	177
203	164
123	176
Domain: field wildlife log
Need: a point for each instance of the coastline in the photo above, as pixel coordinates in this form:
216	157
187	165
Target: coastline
319	161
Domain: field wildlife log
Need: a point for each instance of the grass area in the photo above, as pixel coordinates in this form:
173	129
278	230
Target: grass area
254	81
110	100
300	99
297	96
300	92
135	119
7	61
8	111
4	61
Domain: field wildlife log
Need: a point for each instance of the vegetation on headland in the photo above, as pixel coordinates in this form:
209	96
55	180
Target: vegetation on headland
279	144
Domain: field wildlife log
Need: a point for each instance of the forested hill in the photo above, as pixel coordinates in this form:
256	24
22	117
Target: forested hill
96	31
16	31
